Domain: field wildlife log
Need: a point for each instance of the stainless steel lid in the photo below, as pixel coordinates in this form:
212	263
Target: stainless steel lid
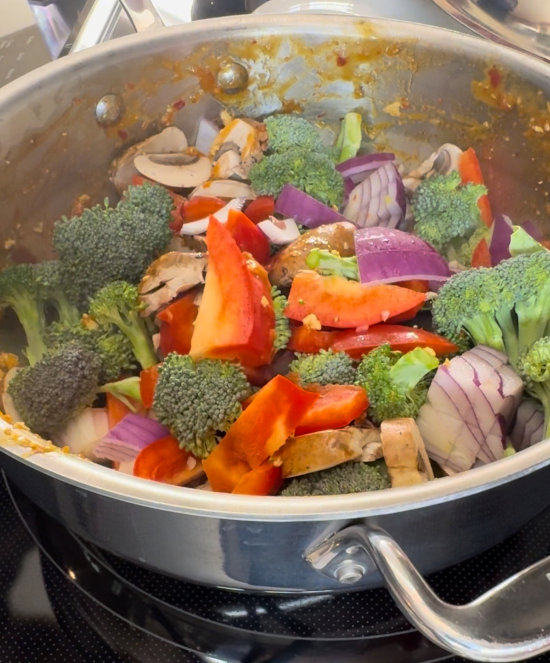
521	24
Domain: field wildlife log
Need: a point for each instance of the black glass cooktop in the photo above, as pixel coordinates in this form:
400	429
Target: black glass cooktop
63	601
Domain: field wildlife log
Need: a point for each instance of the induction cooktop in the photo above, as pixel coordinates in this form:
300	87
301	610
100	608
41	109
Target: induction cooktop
65	601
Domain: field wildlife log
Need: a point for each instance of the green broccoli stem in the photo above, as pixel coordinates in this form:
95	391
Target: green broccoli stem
509	334
331	264
134	328
533	319
33	322
413	367
67	313
350	137
485	331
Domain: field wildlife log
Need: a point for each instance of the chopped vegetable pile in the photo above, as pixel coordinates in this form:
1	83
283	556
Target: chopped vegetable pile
277	311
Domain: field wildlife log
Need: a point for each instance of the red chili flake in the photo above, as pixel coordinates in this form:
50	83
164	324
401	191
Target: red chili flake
178	105
130	86
495	77
123	134
341	61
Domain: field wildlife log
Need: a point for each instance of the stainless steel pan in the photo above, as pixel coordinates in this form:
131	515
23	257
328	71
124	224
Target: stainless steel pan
56	143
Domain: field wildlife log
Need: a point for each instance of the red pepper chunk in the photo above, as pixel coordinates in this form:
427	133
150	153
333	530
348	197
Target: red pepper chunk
358	343
147	385
264	480
199	207
268	421
481	256
260	209
470	172
337	302
236	321
176	328
164	461
248	236
337	407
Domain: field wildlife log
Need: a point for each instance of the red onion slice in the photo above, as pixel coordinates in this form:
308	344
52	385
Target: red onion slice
124	442
387	255
470	404
499	245
359	168
379	200
529	425
301	207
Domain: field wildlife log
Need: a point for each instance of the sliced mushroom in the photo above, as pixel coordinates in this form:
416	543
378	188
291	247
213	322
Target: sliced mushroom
197	243
320	451
199	227
443	162
404	452
372	445
236	148
169	276
229	166
226	189
178	171
171	140
280	231
290	260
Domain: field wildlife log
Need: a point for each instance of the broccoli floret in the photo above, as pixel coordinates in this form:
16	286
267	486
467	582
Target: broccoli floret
118	304
282	323
20	291
463	254
469	301
311	172
505	307
349	140
56	388
126	390
534	368
340	480
445	211
197	401
327	367
113	244
49	277
288	132
113	348
330	263
396	383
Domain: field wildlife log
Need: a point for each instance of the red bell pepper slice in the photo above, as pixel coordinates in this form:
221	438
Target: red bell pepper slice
481	257
199	207
176	328
400	338
248	236
164	461
147	385
337	302
268	421
263	480
260	209
236	320
337	407
407	315
310	341
358	343
470	171
116	410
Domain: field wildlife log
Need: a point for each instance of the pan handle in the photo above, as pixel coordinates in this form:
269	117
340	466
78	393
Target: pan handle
142	14
509	623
